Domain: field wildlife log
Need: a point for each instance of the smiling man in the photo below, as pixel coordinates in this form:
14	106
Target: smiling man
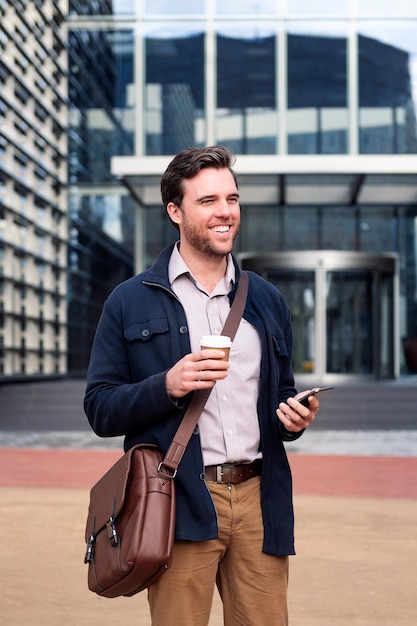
234	524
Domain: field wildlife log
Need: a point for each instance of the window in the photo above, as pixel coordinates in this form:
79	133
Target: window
246	116
174	90
387	58
21	93
317	115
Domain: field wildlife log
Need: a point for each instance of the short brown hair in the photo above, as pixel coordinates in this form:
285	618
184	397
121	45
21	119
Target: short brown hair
189	163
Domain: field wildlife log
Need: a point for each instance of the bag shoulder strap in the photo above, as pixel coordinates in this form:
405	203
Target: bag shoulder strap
189	421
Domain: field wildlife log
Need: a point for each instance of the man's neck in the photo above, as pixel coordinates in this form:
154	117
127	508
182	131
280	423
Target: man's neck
208	271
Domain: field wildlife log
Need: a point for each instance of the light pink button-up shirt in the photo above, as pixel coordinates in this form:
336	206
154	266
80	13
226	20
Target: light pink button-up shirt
228	425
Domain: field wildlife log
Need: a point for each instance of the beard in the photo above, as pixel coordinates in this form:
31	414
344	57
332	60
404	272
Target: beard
198	238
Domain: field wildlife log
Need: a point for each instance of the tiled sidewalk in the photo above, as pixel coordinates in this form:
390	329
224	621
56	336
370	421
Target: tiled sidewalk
327	475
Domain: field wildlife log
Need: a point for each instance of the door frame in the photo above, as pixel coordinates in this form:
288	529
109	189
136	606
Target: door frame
322	261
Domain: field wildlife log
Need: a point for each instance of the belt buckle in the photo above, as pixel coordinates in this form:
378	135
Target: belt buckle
219	474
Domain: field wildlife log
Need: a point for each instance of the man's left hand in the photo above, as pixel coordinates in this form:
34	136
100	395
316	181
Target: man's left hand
296	416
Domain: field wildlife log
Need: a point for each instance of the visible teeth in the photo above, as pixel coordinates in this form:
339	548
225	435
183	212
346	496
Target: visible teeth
221	229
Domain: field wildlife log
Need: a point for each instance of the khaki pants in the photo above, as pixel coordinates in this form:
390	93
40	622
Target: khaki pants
252	585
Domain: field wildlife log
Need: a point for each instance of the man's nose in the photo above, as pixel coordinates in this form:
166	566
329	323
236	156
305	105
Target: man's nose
223	207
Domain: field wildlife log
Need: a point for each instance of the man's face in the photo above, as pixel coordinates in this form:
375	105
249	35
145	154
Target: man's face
209	216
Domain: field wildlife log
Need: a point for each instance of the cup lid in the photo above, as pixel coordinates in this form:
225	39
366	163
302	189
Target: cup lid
215	341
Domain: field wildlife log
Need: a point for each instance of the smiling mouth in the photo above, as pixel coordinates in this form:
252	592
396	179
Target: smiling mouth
220	229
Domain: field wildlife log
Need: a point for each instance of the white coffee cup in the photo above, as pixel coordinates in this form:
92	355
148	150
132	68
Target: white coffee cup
219	342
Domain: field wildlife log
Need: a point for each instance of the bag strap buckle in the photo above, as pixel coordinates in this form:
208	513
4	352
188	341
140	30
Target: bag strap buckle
90	545
166	472
112	532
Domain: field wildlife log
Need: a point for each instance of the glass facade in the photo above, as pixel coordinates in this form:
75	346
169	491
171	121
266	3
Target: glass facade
387	100
317	119
174	98
246	117
278	77
287	78
101	212
272	79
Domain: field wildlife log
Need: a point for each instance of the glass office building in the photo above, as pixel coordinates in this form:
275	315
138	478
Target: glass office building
317	99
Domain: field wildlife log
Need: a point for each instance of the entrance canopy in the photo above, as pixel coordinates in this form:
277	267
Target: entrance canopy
294	180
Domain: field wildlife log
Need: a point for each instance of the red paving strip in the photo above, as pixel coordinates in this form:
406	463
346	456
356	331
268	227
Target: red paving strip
364	476
30	467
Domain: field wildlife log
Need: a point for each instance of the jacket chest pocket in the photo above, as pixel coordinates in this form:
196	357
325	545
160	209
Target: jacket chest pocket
148	346
146	331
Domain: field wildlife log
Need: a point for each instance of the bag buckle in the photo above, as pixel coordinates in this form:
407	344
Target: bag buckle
89	554
112	532
166	472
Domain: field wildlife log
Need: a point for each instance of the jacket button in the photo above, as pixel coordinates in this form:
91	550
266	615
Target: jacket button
146	332
183	330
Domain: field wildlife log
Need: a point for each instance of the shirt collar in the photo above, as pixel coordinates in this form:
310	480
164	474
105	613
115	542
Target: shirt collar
177	267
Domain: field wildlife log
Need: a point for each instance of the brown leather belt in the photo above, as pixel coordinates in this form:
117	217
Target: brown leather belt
233	472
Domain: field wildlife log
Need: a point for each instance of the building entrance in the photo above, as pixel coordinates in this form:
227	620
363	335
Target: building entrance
344	310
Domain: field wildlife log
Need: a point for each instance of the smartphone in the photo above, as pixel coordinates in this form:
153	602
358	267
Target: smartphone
316	391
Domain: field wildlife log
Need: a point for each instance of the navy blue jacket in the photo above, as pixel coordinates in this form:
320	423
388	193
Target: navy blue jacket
141	333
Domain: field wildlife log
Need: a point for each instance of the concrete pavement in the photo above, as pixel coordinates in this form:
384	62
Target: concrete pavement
355	505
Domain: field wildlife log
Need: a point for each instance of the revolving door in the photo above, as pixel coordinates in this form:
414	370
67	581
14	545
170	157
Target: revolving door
343	308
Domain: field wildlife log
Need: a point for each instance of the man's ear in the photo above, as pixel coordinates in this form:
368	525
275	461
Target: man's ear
174	213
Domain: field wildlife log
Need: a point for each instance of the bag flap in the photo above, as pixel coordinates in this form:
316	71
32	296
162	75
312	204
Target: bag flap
108	494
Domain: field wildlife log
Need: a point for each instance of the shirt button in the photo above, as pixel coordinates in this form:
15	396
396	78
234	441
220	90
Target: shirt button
230	431
225	398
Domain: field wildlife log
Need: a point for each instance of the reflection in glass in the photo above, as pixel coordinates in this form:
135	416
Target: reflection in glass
387	88
123	7
112	214
387	8
300	228
409	268
174	90
386	322
377	229
318	7
349	322
317	116
298	288
101	125
338	228
101	113
247	118
159	233
260	228
246	7
100	256
177	7
101	7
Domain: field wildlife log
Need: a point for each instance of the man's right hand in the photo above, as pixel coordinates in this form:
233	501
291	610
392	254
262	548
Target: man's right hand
197	370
